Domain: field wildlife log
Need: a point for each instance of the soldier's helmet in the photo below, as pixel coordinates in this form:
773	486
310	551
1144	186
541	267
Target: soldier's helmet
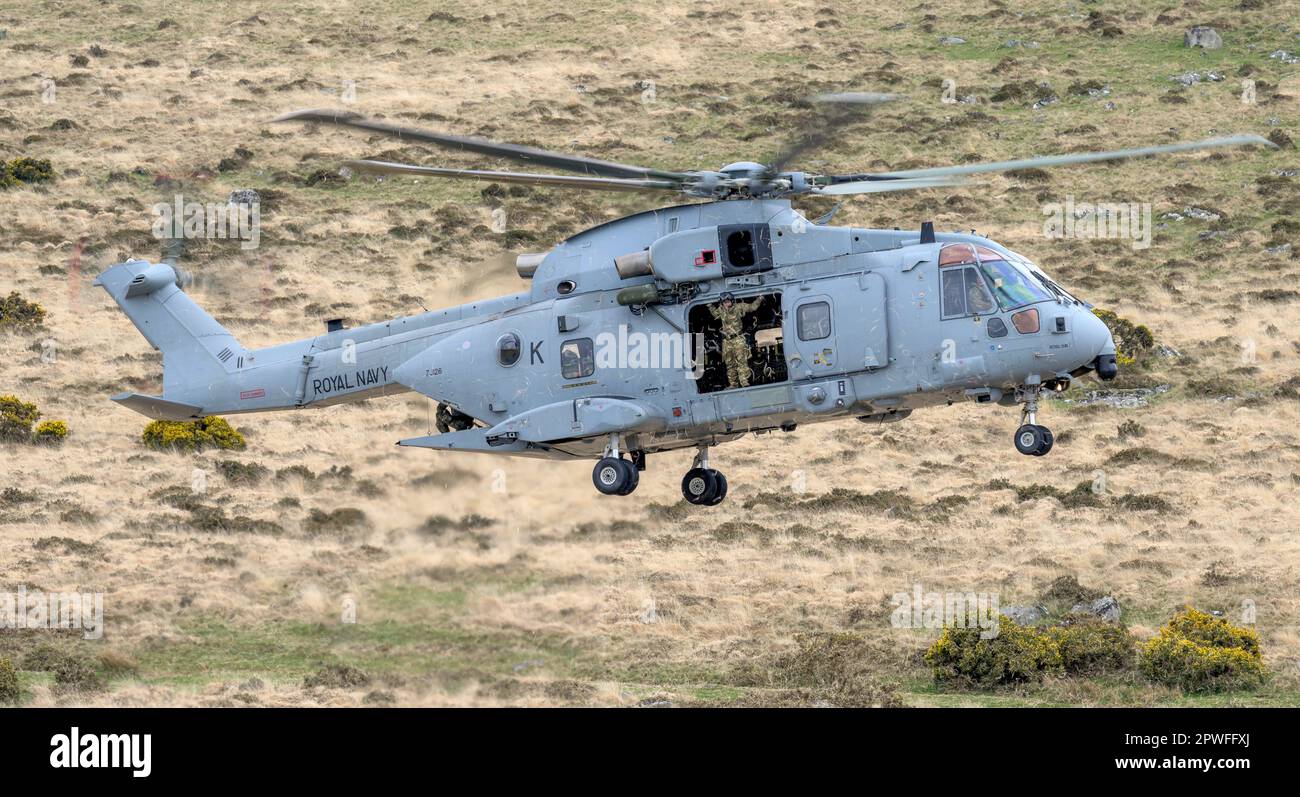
727	298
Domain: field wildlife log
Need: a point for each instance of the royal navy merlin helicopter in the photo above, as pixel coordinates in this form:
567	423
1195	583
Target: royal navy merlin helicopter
835	323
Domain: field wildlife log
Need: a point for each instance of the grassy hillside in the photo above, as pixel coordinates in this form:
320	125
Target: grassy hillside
496	581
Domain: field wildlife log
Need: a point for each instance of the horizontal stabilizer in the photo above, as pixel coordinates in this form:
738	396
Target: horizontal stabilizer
158	408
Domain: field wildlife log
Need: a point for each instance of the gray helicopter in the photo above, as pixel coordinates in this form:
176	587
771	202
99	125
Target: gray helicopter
682	327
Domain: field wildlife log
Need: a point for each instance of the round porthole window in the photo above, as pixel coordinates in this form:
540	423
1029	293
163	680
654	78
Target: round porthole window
566	287
508	349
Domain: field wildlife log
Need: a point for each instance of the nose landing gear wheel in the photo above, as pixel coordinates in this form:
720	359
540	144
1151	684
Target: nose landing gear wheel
1033	440
704	487
614	476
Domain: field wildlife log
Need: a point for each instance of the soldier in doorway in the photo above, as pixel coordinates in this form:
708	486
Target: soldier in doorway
735	346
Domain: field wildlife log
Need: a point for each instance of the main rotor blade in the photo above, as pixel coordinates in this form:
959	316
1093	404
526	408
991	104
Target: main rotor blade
1065	160
817	130
882	186
561	180
517	152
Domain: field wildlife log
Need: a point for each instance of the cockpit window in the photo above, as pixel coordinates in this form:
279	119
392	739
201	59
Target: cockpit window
1011	286
956	255
964	293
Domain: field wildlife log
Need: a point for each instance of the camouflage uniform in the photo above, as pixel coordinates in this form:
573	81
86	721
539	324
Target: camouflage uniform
450	420
735	349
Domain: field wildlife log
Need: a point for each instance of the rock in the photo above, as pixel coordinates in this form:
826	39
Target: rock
1119	399
1200	214
244	196
1284	56
1192	78
1203	36
1105	607
951	40
1024	615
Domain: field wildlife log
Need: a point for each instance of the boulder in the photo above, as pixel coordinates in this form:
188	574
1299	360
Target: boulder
1025	615
1105	608
1203	36
244	196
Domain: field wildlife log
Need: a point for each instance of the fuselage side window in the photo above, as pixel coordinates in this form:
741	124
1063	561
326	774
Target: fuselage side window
508	349
577	358
814	321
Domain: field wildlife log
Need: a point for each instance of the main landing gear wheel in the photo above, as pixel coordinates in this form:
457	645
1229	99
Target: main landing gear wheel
1033	440
704	487
721	489
615	476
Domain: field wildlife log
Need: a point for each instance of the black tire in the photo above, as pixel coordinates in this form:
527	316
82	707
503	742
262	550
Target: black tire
721	491
1029	439
1046	444
634	477
611	476
699	486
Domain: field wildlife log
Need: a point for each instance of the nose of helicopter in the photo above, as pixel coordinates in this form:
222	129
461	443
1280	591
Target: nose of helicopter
1094	343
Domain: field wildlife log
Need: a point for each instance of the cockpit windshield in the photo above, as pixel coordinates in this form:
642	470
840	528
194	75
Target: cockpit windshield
1037	273
1012	286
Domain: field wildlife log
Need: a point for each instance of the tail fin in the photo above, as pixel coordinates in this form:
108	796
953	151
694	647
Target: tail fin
197	351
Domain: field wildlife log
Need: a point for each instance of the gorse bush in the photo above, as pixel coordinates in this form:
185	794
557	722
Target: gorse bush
1195	651
18	313
51	432
1082	645
1016	655
8	682
1132	341
1198	652
211	432
16	419
1089	645
25	170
